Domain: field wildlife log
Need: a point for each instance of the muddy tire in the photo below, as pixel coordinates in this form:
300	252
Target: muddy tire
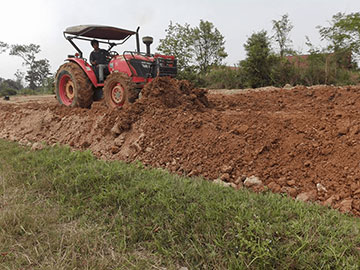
72	86
118	90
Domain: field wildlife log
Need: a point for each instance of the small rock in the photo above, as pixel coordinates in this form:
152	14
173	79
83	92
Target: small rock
240	185
37	146
23	142
274	187
242	128
287	86
309	93
291	182
238	180
290	191
221	183
329	201
343	126
115	131
233	185
225	177
307	196
281	181
119	141
320	188
252	181
114	150
345	205
226	169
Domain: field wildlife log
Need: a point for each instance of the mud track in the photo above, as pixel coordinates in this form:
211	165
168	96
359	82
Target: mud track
301	141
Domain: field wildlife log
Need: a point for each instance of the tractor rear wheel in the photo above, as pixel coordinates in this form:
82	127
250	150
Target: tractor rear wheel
118	89
73	87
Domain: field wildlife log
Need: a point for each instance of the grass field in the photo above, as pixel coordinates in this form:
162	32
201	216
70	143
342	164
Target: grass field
61	209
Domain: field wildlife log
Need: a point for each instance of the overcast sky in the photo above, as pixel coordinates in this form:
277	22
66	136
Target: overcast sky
42	22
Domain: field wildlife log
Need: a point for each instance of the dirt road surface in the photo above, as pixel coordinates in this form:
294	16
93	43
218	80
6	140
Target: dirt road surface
303	141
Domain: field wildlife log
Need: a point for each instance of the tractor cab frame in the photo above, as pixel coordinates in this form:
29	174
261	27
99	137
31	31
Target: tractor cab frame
104	33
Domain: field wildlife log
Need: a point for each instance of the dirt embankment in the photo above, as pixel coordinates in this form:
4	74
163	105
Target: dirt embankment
300	141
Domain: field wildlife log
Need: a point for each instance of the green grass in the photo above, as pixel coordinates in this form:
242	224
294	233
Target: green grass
61	209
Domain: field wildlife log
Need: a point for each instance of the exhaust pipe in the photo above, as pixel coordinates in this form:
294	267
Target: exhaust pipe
137	40
147	41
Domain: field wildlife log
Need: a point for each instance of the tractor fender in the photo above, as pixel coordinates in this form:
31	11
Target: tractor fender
119	64
86	68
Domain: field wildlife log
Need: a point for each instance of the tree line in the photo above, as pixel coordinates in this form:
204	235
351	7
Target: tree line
270	59
37	75
200	52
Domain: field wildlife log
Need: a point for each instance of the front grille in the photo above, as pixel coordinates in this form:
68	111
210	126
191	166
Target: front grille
160	67
142	68
165	67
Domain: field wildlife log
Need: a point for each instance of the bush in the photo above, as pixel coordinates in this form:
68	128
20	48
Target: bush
225	77
317	68
7	92
283	72
191	74
323	68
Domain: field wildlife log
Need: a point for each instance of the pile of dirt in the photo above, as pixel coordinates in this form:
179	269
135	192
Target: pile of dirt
173	93
303	141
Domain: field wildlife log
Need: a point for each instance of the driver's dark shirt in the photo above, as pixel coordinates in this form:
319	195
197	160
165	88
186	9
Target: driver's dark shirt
99	56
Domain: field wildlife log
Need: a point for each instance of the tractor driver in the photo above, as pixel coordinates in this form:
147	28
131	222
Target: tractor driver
99	58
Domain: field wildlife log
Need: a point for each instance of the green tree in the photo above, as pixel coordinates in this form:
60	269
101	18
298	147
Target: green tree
38	73
282	29
343	34
9	87
258	63
178	42
195	48
38	70
208	44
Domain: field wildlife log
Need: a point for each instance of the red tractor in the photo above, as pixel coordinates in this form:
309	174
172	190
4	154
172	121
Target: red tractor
78	83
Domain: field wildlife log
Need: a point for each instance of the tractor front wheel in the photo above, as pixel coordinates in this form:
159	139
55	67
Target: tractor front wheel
117	89
73	87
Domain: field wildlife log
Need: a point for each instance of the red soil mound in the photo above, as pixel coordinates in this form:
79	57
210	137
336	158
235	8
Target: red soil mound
303	142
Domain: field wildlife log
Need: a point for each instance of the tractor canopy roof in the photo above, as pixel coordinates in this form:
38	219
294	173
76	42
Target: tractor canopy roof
99	31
